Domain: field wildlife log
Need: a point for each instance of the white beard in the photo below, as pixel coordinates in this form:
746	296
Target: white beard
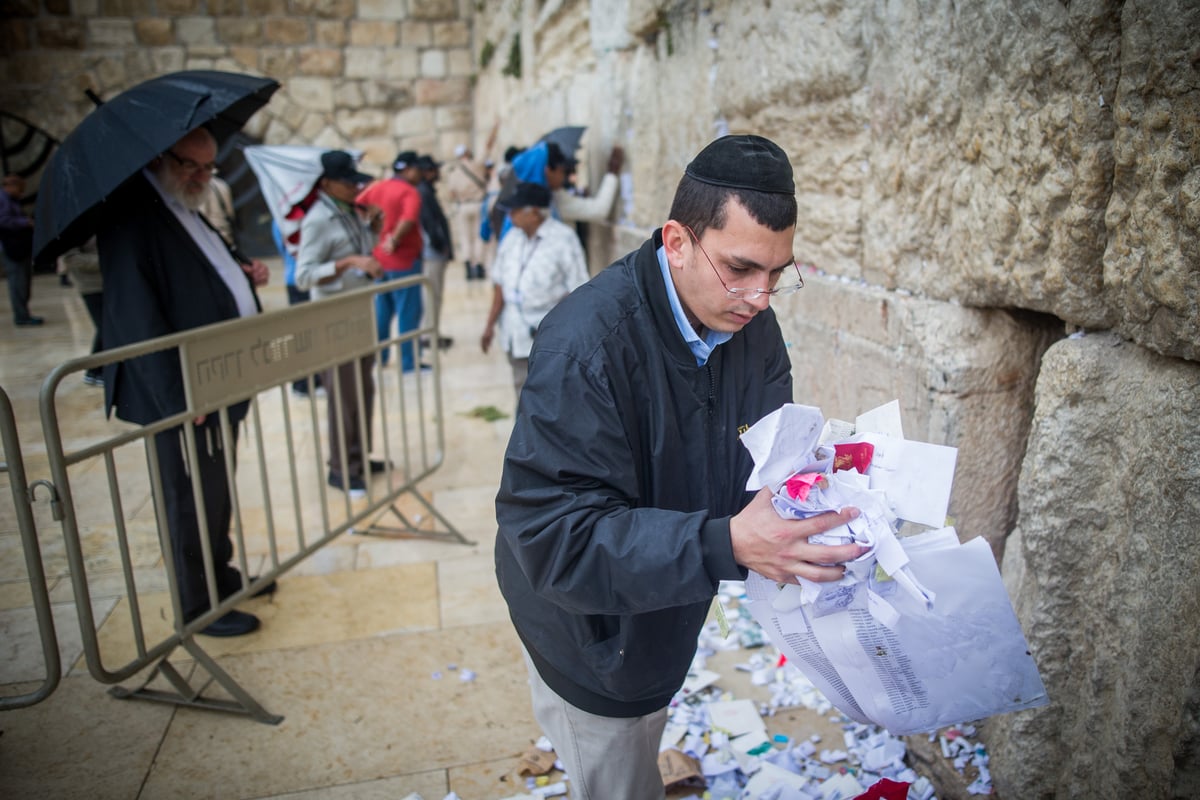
179	189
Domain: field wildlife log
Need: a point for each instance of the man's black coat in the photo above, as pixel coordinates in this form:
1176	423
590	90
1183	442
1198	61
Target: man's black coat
157	281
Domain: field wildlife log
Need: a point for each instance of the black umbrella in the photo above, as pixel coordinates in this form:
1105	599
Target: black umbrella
567	138
123	135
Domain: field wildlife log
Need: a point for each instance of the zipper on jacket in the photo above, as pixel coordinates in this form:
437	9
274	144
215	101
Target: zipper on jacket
712	445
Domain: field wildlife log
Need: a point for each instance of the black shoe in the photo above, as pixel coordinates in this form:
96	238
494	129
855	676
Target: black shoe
480	274
63	280
445	342
470	271
357	490
379	465
30	321
234	623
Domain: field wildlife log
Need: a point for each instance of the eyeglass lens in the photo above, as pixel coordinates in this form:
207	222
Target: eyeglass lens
193	166
739	291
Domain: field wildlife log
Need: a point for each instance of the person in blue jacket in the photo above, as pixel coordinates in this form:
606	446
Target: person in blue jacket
622	502
544	164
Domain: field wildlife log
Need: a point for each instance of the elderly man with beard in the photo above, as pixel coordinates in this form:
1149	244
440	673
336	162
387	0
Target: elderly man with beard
165	270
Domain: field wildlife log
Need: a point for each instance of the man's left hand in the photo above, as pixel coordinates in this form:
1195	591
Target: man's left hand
258	271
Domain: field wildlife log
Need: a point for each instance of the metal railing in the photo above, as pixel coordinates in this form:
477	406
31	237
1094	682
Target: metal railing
22	497
281	492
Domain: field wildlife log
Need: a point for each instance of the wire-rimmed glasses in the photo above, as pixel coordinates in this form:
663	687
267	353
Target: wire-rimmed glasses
193	166
749	293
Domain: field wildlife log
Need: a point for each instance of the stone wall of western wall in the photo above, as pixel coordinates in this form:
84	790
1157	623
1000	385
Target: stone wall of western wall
377	75
976	182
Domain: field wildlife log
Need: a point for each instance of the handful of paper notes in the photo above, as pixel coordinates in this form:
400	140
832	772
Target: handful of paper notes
919	633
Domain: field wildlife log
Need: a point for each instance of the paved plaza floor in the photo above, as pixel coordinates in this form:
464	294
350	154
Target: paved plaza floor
392	661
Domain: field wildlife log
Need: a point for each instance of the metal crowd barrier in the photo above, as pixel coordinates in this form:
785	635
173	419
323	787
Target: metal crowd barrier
22	497
278	490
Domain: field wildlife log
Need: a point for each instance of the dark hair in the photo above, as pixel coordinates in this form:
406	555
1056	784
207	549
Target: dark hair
555	157
512	152
701	206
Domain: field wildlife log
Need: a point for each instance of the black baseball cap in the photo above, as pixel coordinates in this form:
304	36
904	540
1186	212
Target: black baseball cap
405	159
338	165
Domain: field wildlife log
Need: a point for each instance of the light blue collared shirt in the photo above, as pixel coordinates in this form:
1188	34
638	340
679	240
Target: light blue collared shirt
701	348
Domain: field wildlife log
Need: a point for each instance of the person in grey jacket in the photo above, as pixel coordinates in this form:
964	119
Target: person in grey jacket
622	502
335	256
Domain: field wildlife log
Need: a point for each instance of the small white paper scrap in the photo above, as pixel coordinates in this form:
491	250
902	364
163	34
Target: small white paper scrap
736	717
781	443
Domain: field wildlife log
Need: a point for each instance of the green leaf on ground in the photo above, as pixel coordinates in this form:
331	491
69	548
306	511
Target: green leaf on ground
486	413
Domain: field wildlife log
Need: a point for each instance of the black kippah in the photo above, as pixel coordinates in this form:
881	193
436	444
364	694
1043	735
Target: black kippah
744	162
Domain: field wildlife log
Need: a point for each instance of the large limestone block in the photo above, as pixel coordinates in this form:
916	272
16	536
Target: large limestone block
315	94
1151	263
812	100
990	164
964	378
1103	572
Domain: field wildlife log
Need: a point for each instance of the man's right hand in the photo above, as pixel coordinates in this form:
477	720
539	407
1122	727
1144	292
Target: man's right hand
778	548
615	160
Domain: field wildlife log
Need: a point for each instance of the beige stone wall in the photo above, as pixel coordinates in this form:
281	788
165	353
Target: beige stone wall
1009	154
378	75
975	181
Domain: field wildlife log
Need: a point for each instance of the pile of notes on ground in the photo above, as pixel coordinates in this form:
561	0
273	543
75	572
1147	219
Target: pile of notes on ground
721	745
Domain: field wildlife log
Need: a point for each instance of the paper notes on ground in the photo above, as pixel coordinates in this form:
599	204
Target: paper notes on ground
676	768
535	761
919	633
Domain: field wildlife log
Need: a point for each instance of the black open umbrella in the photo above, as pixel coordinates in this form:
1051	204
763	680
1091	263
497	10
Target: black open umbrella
123	135
567	138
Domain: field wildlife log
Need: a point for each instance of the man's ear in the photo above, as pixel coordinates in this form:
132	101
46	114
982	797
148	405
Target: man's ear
675	239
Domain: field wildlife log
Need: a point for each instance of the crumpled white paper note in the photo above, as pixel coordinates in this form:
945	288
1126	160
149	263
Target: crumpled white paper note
919	633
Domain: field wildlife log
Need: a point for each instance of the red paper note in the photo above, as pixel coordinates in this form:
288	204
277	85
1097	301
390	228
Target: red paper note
853	455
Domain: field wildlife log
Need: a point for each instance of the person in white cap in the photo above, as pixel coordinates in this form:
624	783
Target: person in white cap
465	183
539	262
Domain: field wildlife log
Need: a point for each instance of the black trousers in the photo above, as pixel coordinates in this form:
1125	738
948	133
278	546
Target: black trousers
183	521
345	426
19	272
95	307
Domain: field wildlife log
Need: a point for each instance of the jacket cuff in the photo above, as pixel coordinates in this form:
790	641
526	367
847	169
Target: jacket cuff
717	549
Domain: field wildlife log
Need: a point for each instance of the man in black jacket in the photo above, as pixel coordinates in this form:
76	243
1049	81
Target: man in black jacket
16	247
166	270
439	244
622	503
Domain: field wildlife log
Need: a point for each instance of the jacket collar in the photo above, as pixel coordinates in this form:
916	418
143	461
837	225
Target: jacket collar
650	284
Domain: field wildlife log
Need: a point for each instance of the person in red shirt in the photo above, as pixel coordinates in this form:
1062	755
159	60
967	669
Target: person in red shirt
398	251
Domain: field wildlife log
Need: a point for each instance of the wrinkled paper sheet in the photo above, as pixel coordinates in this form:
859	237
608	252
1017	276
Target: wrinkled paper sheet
941	645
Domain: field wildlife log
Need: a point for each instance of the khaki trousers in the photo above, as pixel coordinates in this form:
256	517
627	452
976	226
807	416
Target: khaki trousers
606	758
